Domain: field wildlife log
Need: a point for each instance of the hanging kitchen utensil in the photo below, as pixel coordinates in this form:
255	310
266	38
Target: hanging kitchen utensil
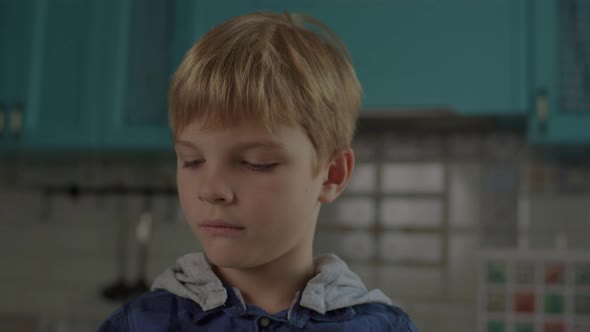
119	289
143	233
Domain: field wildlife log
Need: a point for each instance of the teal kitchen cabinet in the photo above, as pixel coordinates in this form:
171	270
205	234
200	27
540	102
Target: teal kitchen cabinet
48	66
462	55
151	39
16	22
139	68
84	75
95	74
561	72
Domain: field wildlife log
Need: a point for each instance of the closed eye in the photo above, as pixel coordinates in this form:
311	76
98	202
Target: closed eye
192	163
260	167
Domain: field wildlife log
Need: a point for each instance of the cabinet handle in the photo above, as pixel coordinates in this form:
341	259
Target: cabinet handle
16	120
2	120
542	111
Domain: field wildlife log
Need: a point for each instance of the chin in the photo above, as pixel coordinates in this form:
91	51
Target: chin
225	258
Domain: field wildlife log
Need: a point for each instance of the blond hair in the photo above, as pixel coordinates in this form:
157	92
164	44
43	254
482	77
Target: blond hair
270	68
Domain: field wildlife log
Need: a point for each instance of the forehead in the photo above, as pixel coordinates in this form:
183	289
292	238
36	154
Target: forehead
243	134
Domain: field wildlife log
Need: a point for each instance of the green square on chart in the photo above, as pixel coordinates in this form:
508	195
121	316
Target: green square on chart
496	302
525	327
496	326
554	304
497	272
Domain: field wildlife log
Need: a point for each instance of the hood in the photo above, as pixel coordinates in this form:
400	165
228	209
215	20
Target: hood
334	286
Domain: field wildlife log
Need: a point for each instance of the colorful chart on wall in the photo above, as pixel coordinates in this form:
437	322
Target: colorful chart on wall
526	291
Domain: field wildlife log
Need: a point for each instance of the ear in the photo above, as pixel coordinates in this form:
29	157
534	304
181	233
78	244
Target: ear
338	174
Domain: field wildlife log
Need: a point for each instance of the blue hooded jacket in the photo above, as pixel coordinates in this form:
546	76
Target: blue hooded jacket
190	297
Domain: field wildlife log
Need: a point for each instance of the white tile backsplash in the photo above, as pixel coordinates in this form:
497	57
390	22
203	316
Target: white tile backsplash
326	242
434	315
413	178
465	146
19	205
401	146
462	262
363	179
464	194
411	212
357	246
367	272
524	217
501	146
355	211
364	148
413	146
57	266
551	212
406	246
64	209
410	283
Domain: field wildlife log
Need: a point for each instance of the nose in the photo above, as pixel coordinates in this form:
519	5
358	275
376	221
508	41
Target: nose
215	190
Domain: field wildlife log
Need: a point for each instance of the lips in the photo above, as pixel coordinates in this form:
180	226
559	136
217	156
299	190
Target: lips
222	228
221	224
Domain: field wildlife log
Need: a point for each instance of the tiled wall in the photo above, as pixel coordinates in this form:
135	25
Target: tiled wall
418	209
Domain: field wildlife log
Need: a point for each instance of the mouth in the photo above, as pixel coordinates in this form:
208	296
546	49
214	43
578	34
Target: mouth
220	227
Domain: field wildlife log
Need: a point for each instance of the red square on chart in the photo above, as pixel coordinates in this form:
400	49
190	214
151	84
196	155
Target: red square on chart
554	274
554	327
524	302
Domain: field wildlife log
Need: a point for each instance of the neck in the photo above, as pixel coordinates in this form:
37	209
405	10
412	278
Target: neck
272	286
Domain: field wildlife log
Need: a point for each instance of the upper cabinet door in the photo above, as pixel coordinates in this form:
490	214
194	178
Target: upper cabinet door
140	70
16	32
561	72
462	55
150	39
60	109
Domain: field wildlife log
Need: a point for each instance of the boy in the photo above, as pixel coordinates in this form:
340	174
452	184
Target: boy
263	113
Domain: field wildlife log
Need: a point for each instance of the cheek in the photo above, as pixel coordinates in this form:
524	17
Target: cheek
186	194
286	195
280	187
181	184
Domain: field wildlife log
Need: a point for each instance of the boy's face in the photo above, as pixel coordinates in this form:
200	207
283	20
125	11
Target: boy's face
249	196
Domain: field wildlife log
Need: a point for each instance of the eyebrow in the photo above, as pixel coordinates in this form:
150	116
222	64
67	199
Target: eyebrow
242	146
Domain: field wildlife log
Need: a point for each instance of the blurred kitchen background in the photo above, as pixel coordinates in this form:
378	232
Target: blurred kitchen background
469	206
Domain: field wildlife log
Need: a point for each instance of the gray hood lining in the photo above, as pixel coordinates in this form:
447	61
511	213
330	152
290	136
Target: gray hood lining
334	286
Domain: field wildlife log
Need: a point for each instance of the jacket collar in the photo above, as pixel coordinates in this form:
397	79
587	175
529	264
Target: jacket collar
329	295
